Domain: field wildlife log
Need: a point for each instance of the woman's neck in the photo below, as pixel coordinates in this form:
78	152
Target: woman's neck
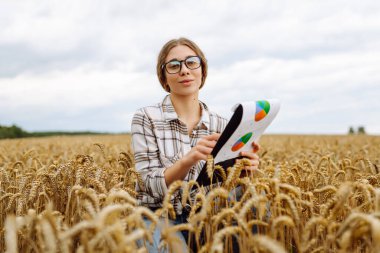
187	109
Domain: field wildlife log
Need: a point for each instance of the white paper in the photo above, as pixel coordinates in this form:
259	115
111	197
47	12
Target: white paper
257	116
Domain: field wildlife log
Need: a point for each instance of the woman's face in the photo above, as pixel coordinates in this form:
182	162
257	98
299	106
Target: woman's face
186	81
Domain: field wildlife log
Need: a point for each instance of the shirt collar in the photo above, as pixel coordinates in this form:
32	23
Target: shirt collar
170	114
205	118
168	109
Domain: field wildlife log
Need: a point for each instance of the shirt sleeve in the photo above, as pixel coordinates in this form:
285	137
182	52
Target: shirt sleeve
147	156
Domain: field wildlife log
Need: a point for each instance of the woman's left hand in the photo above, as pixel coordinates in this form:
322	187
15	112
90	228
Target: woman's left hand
254	159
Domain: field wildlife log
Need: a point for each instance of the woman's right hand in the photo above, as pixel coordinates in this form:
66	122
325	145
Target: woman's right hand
201	150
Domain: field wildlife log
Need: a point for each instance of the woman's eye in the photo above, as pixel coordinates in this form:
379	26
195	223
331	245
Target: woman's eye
173	65
191	63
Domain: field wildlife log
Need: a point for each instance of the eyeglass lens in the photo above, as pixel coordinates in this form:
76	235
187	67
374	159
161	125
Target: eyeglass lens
192	62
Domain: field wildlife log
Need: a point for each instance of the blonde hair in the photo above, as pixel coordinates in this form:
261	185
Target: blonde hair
164	53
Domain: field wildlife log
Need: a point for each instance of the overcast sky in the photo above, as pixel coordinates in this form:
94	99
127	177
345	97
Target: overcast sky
88	65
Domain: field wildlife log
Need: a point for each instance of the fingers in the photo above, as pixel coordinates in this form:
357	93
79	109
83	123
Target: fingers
204	147
209	141
212	137
255	147
253	159
204	150
206	143
200	153
252	169
250	155
253	163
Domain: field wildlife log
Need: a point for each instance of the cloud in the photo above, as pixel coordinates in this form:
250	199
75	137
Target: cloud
75	94
92	63
337	89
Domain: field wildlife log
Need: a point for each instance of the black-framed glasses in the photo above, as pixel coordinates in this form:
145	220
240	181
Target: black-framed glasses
175	66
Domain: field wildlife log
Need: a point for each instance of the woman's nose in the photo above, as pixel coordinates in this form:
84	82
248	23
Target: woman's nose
183	70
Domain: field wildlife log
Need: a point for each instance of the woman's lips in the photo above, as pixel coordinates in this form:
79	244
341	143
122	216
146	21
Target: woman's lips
187	81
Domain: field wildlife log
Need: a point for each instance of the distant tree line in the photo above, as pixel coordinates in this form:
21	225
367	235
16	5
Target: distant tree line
360	130
11	132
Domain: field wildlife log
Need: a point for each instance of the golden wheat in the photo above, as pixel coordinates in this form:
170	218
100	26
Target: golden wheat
77	194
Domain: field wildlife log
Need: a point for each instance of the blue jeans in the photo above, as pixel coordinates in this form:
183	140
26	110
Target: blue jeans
234	194
154	247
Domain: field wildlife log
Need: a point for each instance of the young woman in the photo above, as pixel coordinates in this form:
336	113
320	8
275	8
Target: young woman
172	139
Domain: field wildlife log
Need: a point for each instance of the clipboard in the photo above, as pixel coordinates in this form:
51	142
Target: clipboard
247	124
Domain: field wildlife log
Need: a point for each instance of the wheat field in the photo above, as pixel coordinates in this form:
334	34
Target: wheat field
77	194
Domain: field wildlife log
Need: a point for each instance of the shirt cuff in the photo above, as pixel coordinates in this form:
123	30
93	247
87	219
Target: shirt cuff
162	183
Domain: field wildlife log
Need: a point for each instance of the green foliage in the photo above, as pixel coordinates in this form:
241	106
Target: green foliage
12	132
361	130
16	132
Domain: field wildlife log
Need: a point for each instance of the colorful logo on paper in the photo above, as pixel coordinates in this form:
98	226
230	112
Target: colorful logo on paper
262	109
241	142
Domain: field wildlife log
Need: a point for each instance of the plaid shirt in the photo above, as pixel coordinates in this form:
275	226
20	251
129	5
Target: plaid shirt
159	139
